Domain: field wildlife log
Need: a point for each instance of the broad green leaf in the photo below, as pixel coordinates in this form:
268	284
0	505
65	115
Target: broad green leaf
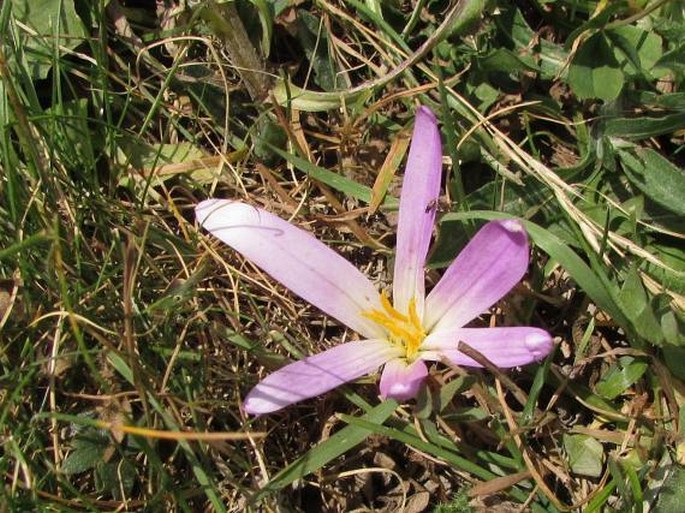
470	15
278	6
672	327
587	397
116	477
178	294
631	471
643	126
636	50
616	472
672	278
621	376
430	402
636	305
466	414
551	58
672	493
157	163
133	151
594	71
56	25
672	101
334	446
673	60
598	501
506	61
89	448
585	455
657	177
80	460
450	389
469	150
674	356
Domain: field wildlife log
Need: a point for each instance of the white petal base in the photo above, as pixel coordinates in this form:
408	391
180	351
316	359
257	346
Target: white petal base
402	381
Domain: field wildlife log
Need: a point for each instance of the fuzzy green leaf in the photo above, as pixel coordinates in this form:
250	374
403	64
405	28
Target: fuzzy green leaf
585	455
89	448
644	126
636	305
672	492
655	176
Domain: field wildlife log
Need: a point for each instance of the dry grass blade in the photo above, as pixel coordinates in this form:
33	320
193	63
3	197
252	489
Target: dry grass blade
213	436
392	161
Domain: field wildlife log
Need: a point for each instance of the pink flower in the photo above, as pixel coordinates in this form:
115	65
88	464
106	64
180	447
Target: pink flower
415	327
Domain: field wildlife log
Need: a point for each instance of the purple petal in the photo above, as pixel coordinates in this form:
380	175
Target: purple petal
295	258
505	347
420	191
402	381
318	374
488	267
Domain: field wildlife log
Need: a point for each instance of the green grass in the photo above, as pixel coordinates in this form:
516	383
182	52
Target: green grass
117	312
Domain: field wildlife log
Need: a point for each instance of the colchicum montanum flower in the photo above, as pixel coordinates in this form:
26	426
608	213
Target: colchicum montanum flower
412	329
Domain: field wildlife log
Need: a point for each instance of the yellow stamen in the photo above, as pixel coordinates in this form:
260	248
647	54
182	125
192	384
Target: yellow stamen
390	310
404	330
413	314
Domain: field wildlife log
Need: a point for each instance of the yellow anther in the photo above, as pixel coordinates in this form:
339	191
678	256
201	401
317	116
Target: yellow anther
404	330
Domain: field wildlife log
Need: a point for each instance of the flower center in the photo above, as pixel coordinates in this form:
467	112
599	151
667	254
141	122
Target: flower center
403	330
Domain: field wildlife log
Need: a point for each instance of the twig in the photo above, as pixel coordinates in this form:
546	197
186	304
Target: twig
479	357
